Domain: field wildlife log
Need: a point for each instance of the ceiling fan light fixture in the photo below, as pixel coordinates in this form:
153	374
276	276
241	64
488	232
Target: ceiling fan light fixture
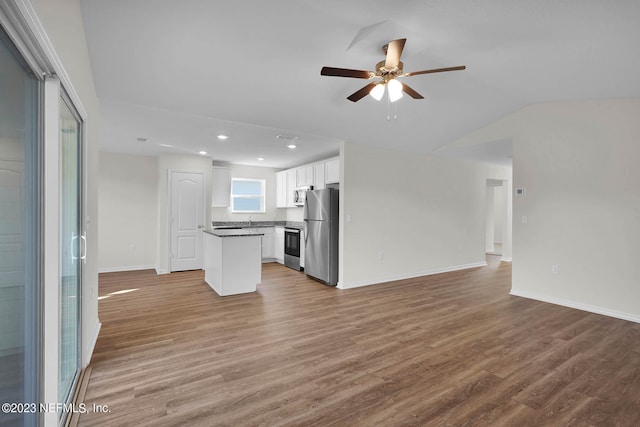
377	92
395	90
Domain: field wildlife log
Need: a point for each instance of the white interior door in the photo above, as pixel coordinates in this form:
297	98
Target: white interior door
186	221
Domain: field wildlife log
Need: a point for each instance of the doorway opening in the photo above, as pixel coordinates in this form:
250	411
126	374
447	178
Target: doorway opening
496	216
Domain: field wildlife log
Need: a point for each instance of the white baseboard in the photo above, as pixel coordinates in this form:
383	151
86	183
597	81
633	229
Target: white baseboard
577	305
394	278
506	259
92	345
126	268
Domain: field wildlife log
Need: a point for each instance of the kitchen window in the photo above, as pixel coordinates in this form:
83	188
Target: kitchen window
247	195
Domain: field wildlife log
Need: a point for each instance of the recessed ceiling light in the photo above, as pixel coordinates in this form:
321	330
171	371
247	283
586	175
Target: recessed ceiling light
291	146
166	145
203	153
261	158
222	137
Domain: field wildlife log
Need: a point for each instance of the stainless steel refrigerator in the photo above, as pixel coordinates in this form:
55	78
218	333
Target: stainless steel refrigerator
321	235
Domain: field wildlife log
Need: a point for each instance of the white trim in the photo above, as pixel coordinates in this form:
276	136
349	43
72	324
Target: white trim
51	248
158	271
410	275
577	305
506	259
127	268
87	357
27	32
41	40
13	23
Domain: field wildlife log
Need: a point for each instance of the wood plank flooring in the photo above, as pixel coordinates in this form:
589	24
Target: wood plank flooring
450	349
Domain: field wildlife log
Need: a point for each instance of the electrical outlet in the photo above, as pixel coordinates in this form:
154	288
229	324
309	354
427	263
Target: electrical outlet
380	256
554	269
524	219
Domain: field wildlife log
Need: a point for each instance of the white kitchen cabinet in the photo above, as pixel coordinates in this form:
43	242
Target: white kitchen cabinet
291	185
318	176
221	187
267	242
304	175
232	263
281	189
332	171
278	244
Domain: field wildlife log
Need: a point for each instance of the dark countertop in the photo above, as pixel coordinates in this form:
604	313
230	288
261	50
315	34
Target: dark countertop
233	232
258	224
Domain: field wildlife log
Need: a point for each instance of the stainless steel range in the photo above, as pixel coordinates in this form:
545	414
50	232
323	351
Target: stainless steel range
292	248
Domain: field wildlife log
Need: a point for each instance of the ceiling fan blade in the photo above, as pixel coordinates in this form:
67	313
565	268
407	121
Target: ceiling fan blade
361	93
345	72
394	50
412	93
435	70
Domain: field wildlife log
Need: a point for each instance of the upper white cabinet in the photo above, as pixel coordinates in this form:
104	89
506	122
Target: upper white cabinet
332	171
291	185
318	176
221	187
304	175
281	189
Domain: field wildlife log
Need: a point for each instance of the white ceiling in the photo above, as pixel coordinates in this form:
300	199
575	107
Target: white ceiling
180	72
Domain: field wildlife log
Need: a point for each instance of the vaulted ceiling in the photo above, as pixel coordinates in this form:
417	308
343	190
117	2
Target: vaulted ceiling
180	72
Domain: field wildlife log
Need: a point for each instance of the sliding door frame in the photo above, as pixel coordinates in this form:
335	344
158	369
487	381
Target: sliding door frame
20	21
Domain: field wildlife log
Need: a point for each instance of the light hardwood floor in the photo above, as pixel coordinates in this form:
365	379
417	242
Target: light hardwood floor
449	349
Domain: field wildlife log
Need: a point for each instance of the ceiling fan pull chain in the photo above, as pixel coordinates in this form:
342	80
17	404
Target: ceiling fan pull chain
388	107
395	111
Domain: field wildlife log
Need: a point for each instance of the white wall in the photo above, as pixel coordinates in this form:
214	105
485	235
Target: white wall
272	213
294	214
177	163
128	198
407	215
578	162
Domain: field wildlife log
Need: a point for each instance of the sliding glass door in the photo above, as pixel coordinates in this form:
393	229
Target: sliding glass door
20	218
72	247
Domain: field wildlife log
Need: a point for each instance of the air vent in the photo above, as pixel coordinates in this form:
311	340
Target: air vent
287	137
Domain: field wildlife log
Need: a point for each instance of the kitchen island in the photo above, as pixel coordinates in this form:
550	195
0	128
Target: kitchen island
232	260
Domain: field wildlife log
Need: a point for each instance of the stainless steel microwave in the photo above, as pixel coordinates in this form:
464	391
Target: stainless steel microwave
300	194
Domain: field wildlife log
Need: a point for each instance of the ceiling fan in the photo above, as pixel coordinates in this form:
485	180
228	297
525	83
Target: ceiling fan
387	72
